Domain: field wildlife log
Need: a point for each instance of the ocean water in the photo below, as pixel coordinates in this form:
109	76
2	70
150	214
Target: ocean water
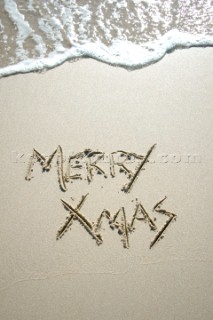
36	35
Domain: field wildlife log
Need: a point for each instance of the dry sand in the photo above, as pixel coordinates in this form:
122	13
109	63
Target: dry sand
92	105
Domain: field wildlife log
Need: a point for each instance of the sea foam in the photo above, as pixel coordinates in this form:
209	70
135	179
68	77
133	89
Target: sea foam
37	35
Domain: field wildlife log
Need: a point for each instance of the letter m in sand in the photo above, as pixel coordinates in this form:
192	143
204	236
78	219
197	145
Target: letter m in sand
45	162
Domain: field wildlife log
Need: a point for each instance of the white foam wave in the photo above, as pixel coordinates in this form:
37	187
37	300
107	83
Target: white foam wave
124	33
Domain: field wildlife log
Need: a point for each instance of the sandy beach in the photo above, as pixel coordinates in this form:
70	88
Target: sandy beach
88	104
